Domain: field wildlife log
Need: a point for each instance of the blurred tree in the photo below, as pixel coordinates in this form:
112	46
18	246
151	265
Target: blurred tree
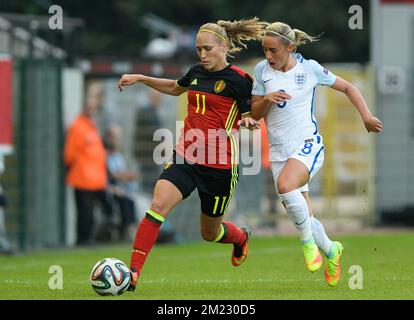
114	28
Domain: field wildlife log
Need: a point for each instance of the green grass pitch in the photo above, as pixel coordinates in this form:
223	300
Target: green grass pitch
201	270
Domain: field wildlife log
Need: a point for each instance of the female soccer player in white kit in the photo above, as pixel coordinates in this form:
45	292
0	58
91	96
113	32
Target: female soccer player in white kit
283	93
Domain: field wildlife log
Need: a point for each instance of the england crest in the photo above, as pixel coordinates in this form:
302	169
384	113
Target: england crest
300	79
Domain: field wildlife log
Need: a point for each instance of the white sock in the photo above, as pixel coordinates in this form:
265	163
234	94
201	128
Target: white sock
320	237
297	210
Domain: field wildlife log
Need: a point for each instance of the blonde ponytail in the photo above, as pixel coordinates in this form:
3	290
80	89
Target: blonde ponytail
296	37
234	33
302	37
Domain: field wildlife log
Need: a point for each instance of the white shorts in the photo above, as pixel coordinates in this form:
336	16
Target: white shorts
310	152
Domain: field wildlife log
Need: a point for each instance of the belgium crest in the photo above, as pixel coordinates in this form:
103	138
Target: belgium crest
219	86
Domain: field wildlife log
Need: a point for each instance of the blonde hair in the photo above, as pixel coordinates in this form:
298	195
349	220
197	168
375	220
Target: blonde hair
234	33
289	35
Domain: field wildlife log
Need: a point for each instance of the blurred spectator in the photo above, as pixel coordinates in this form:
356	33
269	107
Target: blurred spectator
5	247
270	208
186	41
122	189
122	184
162	48
147	122
85	158
103	116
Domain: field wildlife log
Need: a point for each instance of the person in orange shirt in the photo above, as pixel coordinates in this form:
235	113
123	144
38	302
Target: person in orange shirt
270	210
85	159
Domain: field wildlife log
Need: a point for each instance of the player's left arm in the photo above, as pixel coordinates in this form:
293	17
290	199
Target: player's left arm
244	101
372	124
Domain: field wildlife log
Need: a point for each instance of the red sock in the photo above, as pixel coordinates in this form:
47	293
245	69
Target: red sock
145	238
232	234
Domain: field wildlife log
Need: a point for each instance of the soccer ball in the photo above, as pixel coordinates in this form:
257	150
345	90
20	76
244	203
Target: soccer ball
110	277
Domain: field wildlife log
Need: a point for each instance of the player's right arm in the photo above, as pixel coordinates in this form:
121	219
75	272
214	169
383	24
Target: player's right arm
261	104
261	100
163	85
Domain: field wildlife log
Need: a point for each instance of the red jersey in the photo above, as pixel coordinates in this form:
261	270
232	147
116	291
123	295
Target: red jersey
216	101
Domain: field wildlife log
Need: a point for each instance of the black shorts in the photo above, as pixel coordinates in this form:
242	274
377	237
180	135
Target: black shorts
215	186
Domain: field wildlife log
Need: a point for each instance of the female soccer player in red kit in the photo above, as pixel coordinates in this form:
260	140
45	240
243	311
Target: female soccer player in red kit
219	95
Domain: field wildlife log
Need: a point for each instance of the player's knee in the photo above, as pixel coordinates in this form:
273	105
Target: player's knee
208	235
283	185
159	207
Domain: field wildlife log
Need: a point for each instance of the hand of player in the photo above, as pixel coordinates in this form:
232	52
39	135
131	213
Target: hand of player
248	122
373	124
277	97
127	80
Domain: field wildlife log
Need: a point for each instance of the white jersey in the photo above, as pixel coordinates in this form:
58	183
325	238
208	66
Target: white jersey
294	119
